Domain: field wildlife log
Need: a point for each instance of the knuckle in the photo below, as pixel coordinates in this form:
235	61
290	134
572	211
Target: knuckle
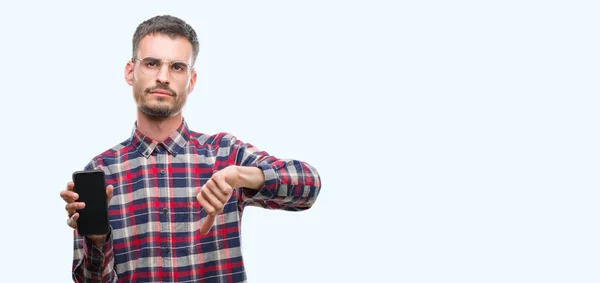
226	200
211	183
204	194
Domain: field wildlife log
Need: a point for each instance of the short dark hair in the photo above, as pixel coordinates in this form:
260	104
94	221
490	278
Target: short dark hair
169	25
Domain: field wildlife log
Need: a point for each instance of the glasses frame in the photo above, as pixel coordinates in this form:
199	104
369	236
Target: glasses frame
170	63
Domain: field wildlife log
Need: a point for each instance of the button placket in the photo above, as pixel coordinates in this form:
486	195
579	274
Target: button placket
163	189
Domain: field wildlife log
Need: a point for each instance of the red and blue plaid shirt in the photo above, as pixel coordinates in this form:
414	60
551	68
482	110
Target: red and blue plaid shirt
155	217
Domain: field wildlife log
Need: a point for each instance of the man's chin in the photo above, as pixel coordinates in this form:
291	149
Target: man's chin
156	112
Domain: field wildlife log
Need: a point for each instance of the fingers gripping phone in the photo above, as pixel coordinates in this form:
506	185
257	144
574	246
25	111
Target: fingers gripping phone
90	185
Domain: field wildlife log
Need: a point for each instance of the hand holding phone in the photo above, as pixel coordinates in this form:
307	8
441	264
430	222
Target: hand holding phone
91	188
87	198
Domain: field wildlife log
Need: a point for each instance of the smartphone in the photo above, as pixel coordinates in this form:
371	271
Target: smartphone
91	187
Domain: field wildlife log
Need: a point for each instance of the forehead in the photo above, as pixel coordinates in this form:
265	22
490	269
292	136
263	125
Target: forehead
162	46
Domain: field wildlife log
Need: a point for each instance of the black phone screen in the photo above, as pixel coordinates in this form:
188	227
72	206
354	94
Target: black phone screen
91	187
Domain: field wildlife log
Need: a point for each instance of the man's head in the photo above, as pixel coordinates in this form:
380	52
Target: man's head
161	69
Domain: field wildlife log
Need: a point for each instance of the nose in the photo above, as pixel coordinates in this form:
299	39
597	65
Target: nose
163	75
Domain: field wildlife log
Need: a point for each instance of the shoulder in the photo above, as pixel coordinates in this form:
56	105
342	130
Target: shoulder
220	139
110	155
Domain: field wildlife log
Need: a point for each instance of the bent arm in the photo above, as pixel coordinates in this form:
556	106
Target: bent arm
288	184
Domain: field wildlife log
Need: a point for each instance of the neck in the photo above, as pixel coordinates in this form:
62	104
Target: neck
158	129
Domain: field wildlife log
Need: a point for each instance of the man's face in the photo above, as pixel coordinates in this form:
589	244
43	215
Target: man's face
160	87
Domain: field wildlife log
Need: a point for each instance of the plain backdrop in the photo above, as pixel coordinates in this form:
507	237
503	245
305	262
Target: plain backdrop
457	140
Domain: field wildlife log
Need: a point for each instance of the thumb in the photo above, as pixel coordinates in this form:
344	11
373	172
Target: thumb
109	193
207	224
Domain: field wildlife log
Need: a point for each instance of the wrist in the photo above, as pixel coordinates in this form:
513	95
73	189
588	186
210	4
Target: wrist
250	177
97	240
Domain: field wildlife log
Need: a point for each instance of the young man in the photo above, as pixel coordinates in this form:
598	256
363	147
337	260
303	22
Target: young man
176	196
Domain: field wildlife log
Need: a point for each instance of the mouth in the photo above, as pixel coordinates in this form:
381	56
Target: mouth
161	93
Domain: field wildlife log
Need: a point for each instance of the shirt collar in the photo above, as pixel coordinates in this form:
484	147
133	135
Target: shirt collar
174	144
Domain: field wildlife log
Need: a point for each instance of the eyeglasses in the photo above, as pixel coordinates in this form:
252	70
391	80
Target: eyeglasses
178	70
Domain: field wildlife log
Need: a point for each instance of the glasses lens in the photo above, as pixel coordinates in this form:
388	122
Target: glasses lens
179	71
150	66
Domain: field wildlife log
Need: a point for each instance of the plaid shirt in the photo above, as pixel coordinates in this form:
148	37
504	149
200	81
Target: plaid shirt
154	215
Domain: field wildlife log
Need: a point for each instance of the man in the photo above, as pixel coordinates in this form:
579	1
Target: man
176	196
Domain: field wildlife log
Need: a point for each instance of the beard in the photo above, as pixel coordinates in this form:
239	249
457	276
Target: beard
162	107
159	111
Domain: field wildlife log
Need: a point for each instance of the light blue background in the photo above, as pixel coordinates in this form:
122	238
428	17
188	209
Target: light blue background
457	140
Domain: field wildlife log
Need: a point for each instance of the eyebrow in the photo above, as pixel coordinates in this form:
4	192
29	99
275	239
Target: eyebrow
157	59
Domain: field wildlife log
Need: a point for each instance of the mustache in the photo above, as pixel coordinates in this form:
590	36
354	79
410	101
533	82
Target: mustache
163	87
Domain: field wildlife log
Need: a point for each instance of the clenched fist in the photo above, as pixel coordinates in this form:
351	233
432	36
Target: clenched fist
216	192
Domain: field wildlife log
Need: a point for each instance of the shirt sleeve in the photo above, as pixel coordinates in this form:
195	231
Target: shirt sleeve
92	264
289	184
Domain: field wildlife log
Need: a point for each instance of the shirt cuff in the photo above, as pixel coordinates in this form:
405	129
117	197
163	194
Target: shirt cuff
96	256
269	189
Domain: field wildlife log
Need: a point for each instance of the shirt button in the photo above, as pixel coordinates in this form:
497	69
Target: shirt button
165	210
166	250
162	172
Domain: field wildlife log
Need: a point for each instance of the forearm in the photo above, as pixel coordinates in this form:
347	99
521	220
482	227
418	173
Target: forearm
282	183
97	260
288	184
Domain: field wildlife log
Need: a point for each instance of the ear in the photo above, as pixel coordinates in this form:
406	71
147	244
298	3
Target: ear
129	67
192	81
